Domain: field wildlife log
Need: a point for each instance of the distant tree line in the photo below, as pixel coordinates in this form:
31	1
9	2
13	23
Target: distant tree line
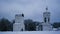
56	25
30	25
5	25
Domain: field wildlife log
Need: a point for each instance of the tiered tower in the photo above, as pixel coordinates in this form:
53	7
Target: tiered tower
46	17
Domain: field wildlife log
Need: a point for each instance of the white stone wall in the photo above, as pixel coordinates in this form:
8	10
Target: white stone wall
47	27
19	23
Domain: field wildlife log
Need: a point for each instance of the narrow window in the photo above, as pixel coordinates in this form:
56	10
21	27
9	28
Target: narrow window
44	19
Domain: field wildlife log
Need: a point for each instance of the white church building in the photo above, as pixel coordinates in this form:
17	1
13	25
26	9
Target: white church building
19	22
46	25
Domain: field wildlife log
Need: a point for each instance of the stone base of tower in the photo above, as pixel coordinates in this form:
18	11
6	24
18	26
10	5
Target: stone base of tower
46	27
18	27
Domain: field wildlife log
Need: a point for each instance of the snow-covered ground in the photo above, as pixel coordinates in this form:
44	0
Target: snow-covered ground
32	32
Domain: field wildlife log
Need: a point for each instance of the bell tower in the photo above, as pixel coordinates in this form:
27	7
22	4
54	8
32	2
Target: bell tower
46	16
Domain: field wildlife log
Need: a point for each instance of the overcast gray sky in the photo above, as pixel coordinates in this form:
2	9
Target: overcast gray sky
32	9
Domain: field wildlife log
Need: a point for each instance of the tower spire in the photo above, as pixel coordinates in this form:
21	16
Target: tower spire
46	8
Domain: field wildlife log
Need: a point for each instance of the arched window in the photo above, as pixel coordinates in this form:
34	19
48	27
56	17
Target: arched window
44	19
